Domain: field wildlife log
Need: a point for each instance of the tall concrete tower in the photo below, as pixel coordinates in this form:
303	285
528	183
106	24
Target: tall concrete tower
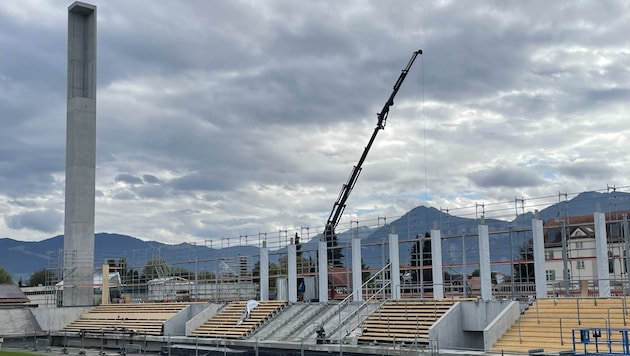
78	242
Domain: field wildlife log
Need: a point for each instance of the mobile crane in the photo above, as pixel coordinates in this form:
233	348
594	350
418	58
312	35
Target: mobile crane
340	205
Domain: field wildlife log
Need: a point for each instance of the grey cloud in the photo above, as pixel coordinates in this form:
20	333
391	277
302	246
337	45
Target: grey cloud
591	169
204	181
128	178
23	180
606	96
181	50
48	220
151	192
27	63
124	195
505	177
283	95
151	179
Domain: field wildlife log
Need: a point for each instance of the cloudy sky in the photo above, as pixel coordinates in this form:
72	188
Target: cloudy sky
229	118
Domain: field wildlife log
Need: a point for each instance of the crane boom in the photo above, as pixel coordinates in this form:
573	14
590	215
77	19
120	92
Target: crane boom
340	205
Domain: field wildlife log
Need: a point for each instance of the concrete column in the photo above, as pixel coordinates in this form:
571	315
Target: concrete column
292	271
80	157
394	259
357	275
484	261
436	264
323	271
105	285
264	272
540	273
601	250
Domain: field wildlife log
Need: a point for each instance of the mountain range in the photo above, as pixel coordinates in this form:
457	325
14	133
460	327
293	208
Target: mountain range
21	259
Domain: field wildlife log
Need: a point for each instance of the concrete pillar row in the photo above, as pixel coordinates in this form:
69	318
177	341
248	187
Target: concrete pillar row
437	269
357	275
394	259
323	271
539	257
601	251
484	262
292	271
264	272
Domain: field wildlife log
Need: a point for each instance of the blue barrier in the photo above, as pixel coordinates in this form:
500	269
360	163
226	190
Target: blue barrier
601	341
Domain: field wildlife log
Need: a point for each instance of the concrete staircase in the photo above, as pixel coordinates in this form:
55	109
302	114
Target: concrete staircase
548	323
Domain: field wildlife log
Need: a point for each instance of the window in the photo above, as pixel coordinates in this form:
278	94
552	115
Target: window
550	275
580	264
549	255
611	266
579	244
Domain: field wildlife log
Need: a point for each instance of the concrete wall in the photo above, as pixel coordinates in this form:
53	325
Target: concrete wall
501	324
202	316
474	324
176	325
54	319
20	321
449	332
477	315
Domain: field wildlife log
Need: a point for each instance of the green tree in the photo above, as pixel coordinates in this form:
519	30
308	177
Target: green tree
334	254
274	271
206	275
44	277
183	273
303	265
273	274
5	277
333	251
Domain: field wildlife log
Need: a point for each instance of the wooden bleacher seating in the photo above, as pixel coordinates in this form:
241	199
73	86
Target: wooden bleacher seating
225	323
142	318
405	321
548	323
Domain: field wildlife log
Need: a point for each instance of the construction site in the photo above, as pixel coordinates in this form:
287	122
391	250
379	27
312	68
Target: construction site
420	304
431	282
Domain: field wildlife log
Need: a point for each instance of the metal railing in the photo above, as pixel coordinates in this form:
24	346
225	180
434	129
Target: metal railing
552	318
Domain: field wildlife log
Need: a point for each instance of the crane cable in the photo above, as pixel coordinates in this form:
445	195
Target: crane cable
424	144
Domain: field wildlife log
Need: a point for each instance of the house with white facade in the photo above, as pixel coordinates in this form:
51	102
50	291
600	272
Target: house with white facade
581	261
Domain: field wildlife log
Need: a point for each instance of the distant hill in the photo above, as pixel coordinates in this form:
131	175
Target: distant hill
21	259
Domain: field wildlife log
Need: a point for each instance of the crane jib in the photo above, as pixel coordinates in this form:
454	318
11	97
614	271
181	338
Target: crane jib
340	204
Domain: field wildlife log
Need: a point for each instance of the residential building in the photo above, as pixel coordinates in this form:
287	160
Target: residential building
581	260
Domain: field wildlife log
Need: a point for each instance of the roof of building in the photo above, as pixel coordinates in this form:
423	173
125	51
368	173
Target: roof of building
11	294
586	218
